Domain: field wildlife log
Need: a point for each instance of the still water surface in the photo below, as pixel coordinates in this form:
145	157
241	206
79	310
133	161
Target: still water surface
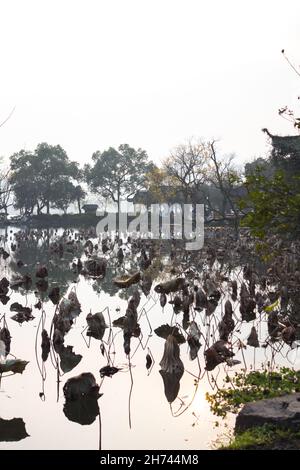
155	424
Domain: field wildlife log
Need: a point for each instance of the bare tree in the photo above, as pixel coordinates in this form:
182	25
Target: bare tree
187	166
225	176
5	190
8	117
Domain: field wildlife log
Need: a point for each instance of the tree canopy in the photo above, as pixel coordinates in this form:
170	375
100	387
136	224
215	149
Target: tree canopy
43	178
118	174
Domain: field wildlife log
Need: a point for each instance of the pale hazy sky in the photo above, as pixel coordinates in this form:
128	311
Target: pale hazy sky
96	73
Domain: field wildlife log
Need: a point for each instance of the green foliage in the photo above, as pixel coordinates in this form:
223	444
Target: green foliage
117	173
273	204
243	388
66	194
286	153
259	164
261	437
43	178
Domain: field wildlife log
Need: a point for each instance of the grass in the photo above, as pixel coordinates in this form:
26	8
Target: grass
256	385
264	437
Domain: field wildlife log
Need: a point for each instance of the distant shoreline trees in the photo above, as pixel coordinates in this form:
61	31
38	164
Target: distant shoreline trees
43	179
117	174
46	178
265	198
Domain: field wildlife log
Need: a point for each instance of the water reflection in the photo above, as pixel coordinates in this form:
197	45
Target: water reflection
12	429
170	333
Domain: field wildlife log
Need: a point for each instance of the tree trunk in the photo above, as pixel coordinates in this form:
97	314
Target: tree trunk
118	215
48	207
236	227
79	205
119	202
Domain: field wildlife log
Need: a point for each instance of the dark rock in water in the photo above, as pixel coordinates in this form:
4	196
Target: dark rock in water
283	412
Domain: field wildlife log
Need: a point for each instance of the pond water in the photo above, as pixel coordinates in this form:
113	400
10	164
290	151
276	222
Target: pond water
134	410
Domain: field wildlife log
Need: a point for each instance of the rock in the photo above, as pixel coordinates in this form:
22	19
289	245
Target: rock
281	411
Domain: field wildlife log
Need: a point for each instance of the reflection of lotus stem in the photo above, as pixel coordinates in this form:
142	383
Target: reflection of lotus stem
171	361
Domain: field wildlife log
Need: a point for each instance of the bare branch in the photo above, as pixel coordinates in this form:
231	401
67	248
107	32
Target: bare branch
8	117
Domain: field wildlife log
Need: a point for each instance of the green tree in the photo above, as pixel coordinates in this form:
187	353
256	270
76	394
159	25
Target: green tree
273	204
39	178
66	194
264	165
273	200
285	153
118	174
78	195
26	191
